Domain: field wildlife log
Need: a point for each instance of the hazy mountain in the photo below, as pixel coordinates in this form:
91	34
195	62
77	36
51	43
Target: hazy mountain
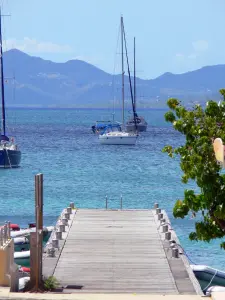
40	82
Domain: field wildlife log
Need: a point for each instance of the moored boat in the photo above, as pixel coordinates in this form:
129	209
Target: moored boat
21	244
208	276
22	258
10	155
117	137
26	232
141	124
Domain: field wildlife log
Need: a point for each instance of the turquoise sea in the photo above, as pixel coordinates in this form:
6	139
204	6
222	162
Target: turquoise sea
59	143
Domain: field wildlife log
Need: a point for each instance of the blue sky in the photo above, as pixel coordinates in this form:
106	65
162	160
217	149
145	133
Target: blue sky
171	35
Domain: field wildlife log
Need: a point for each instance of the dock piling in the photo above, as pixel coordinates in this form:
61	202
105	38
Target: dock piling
67	216
69	210
72	205
55	243
51	252
158	211
64	221
175	252
58	235
168	235
165	228
62	227
156	205
160	216
162	221
121	202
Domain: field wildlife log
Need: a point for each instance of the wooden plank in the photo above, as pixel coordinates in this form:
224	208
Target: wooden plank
118	251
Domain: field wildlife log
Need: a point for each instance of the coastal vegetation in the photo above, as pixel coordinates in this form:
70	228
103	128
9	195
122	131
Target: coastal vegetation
200	126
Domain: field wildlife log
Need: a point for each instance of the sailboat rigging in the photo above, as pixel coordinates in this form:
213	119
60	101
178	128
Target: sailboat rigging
10	156
131	90
113	135
135	123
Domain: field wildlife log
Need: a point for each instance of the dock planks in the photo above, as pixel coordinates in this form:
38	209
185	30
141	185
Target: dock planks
119	251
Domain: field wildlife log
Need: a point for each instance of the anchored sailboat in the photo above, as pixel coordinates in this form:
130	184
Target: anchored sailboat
114	135
10	156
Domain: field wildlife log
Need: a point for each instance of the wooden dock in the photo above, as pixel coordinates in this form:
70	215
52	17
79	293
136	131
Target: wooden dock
119	251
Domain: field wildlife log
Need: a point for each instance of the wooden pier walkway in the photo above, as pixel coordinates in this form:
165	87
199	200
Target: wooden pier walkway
119	251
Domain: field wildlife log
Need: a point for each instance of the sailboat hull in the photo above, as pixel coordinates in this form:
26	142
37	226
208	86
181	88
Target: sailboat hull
10	158
141	125
132	127
117	140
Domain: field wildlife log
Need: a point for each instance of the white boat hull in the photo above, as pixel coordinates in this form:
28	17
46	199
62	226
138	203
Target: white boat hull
206	275
22	282
26	232
108	139
22	255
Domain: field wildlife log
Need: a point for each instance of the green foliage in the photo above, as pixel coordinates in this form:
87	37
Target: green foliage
197	161
50	283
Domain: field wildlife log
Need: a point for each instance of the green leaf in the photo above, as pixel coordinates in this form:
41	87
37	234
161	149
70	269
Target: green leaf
200	126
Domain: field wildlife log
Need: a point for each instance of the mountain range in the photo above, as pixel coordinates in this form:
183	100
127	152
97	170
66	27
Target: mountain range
75	83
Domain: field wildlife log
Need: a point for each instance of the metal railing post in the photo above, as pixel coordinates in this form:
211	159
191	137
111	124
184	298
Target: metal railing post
106	202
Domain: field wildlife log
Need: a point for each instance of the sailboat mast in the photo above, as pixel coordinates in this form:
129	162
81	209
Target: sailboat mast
122	29
134	79
131	90
2	78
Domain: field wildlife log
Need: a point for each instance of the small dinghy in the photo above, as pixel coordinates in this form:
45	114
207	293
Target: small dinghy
208	276
13	227
22	258
21	244
26	232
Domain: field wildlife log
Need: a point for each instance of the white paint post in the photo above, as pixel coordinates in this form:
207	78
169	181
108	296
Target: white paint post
168	235
156	205
158	211
62	227
67	216
72	205
69	210
58	235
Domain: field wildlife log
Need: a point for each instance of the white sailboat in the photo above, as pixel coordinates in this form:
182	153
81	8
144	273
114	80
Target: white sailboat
113	135
116	137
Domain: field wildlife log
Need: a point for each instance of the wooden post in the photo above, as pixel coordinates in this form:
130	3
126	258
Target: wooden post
33	250
36	238
40	223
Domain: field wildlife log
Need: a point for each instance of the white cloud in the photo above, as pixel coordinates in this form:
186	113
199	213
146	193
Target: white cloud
200	45
179	55
198	48
32	45
192	56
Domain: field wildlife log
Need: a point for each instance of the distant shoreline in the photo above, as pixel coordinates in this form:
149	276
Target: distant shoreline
81	107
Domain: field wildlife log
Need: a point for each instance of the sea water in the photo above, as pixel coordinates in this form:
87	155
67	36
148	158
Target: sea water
60	144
